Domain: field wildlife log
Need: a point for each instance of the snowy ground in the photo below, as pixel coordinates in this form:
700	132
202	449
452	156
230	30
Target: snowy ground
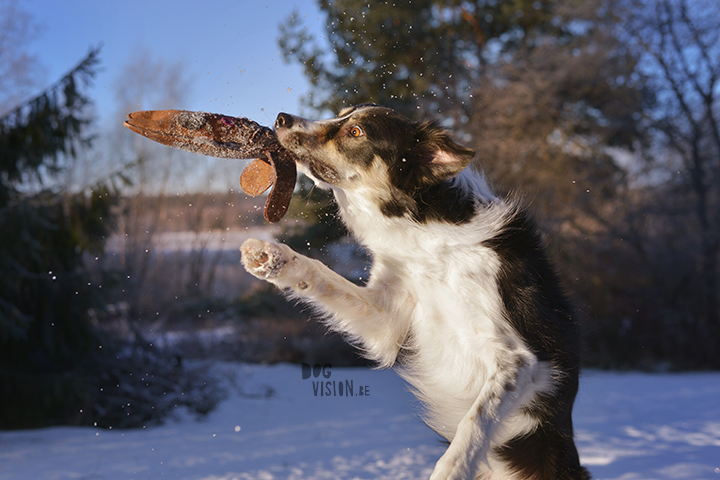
273	426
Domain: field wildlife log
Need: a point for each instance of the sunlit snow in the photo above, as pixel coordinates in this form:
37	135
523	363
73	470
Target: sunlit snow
275	425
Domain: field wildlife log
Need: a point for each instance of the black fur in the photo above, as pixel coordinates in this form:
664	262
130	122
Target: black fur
443	202
536	306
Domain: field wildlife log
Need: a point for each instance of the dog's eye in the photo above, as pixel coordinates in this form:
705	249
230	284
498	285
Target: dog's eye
356	131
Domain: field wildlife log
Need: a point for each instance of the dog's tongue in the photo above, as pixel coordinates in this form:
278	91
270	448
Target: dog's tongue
227	137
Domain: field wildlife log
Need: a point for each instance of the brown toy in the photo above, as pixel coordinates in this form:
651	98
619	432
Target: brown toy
227	137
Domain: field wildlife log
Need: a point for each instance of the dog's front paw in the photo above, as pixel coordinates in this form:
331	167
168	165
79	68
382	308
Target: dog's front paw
265	260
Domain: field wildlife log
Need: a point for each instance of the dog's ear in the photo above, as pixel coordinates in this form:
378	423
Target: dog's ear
452	159
440	155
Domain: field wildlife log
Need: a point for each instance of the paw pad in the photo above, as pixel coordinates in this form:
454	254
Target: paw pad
262	259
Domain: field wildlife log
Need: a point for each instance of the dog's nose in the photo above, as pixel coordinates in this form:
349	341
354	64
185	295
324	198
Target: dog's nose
283	121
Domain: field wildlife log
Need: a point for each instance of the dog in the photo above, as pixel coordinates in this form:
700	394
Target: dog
461	296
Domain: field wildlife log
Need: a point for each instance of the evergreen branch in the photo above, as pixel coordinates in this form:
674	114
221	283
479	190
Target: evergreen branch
86	68
35	134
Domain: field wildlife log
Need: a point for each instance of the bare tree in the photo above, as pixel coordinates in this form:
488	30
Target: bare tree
162	178
145	83
679	41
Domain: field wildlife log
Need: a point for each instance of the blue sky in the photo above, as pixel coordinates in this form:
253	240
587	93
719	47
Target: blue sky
228	47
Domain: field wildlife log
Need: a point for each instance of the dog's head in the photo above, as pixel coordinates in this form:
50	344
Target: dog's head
375	150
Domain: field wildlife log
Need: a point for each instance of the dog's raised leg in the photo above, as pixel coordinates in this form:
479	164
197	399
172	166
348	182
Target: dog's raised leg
356	311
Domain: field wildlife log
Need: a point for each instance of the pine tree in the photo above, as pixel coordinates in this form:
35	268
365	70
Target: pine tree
45	291
55	367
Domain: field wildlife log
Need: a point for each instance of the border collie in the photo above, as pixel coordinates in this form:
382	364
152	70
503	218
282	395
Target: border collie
461	295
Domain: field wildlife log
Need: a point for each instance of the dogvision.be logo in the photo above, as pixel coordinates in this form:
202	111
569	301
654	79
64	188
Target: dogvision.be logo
324	387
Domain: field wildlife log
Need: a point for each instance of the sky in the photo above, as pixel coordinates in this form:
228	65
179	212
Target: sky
228	48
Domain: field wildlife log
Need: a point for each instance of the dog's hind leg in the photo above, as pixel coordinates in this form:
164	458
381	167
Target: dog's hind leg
350	309
498	398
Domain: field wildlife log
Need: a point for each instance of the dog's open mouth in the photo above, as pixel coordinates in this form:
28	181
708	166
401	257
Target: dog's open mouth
323	172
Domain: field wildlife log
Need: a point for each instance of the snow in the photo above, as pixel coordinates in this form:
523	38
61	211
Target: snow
629	426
